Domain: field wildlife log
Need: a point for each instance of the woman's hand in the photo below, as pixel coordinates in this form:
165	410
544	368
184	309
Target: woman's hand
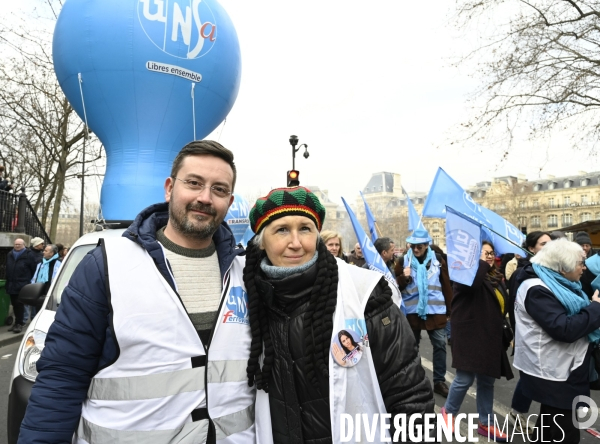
595	297
338	354
407	271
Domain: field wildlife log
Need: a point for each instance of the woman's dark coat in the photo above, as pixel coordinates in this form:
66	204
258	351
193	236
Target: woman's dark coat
299	410
477	328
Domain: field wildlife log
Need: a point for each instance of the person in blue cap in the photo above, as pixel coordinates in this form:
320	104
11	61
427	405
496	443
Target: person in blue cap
425	284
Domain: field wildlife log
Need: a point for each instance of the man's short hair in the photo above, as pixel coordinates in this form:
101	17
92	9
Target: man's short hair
204	148
54	248
382	244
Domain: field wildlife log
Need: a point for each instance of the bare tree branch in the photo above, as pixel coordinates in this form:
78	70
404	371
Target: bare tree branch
41	137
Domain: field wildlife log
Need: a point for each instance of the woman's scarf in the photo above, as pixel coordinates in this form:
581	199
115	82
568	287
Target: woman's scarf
568	293
275	272
422	281
44	268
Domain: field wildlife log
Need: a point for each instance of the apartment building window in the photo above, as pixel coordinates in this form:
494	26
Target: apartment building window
522	221
552	221
567	201
551	202
436	239
597	216
536	203
584	199
586	216
535	222
521	204
567	219
435	227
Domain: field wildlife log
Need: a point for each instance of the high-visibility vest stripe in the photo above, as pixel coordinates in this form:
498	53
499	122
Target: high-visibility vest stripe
234	423
415	290
157	385
190	433
224	426
227	371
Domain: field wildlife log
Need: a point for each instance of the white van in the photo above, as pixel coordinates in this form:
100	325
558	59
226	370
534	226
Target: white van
24	371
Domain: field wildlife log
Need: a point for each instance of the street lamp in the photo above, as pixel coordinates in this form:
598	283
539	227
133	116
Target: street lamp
293	179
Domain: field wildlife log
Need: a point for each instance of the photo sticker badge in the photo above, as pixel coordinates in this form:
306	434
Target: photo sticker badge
347	348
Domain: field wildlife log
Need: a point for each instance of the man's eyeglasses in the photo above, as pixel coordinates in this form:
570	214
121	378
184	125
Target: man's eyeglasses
489	253
581	263
417	246
194	185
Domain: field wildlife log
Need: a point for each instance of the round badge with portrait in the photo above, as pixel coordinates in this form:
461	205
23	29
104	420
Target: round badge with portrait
347	348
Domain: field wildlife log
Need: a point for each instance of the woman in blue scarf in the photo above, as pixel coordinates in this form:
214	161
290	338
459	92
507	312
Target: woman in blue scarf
556	330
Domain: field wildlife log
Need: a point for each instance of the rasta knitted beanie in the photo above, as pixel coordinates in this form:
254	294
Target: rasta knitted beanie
281	202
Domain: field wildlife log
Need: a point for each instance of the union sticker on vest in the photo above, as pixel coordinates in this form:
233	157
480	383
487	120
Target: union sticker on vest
237	307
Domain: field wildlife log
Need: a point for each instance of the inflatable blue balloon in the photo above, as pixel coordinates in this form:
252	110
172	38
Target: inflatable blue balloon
238	217
148	76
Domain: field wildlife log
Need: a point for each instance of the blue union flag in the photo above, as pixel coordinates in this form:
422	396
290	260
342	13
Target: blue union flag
370	219
372	257
463	242
444	192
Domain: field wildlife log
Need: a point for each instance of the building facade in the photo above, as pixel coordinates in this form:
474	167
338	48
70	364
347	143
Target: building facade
547	204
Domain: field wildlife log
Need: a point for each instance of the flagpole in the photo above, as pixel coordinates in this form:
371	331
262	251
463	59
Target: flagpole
508	240
377	228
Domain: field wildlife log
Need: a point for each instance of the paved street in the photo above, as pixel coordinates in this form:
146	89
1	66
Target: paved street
8	354
502	395
503	391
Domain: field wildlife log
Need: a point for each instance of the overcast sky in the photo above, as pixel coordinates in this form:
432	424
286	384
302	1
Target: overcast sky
370	87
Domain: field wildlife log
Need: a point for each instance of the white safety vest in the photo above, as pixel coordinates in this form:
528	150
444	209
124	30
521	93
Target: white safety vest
536	353
352	390
436	304
163	387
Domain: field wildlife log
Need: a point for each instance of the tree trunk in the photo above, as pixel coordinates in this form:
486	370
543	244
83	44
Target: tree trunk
60	188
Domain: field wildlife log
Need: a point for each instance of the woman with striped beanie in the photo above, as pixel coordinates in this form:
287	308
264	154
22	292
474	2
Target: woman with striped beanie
327	338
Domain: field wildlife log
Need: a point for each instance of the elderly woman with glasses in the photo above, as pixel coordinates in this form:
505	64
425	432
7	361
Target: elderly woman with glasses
478	348
556	329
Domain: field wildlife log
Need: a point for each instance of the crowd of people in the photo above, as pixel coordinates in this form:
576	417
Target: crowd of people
505	305
173	333
37	263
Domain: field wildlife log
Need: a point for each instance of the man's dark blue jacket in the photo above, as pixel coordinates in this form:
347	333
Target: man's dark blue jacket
81	341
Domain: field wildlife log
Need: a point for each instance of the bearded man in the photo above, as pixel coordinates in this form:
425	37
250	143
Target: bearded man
138	343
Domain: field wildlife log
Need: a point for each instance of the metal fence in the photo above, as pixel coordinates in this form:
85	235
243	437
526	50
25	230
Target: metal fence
9	203
17	216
